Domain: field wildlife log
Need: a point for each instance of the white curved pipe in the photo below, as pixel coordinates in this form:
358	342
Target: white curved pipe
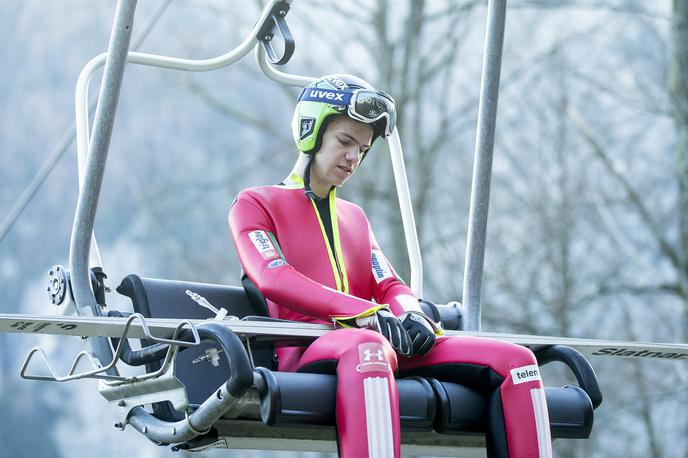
407	218
280	76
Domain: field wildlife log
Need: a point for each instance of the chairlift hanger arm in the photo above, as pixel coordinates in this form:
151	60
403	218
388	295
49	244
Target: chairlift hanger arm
90	246
83	83
82	238
482	163
174	63
277	75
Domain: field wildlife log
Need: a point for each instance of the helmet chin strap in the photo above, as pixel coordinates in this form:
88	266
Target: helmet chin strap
307	181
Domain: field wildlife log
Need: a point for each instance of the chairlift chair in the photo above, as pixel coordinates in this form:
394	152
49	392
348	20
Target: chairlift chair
210	373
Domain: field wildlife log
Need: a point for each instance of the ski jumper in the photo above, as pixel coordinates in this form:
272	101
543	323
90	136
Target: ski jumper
322	273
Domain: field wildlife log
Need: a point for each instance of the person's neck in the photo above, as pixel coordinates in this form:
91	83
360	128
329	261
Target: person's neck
320	189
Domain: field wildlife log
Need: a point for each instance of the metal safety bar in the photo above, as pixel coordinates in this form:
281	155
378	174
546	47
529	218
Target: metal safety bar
482	164
92	174
99	371
223	399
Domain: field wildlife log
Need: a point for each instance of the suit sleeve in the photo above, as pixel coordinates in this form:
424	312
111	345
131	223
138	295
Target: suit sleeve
259	253
388	288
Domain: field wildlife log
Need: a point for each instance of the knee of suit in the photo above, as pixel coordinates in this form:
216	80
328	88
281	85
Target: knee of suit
524	355
518	355
348	340
359	336
355	337
500	356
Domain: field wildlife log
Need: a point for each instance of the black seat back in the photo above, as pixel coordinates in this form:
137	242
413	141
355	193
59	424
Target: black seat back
157	298
153	297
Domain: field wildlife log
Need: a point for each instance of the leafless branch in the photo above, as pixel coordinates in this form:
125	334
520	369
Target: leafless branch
594	5
666	248
453	8
258	123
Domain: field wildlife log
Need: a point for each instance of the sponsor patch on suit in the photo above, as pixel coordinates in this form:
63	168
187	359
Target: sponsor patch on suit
381	270
525	374
371	357
263	244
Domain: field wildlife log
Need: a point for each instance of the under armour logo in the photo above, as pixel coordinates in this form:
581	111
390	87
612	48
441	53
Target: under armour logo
367	354
371	358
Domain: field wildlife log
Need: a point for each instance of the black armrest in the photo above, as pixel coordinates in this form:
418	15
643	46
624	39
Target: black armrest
450	315
579	365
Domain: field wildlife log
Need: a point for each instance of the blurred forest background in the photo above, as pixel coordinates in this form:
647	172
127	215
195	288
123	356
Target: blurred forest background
588	226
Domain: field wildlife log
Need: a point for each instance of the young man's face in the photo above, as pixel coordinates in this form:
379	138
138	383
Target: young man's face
343	145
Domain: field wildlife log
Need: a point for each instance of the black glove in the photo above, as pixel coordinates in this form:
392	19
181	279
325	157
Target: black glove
421	331
389	326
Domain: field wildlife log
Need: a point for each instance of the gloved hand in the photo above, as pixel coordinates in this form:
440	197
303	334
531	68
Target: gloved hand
421	330
384	322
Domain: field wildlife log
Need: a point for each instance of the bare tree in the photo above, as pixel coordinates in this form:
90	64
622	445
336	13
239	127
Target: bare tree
678	89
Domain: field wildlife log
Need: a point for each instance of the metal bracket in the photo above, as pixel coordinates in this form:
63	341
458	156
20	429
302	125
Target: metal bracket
124	396
276	23
99	371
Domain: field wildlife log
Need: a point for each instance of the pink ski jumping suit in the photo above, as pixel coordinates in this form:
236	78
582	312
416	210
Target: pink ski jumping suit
284	249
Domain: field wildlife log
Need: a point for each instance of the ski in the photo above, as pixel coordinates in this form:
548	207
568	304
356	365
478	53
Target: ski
165	327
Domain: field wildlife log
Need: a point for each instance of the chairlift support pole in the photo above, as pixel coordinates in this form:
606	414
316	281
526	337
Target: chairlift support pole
482	164
82	229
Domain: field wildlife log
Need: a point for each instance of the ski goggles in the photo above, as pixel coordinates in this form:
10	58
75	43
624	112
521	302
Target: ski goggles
363	105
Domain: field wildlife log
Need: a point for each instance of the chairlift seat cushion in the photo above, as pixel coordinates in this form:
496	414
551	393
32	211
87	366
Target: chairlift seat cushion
157	298
293	399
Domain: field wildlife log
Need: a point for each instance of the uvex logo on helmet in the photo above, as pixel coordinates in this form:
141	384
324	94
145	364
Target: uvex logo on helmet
325	95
